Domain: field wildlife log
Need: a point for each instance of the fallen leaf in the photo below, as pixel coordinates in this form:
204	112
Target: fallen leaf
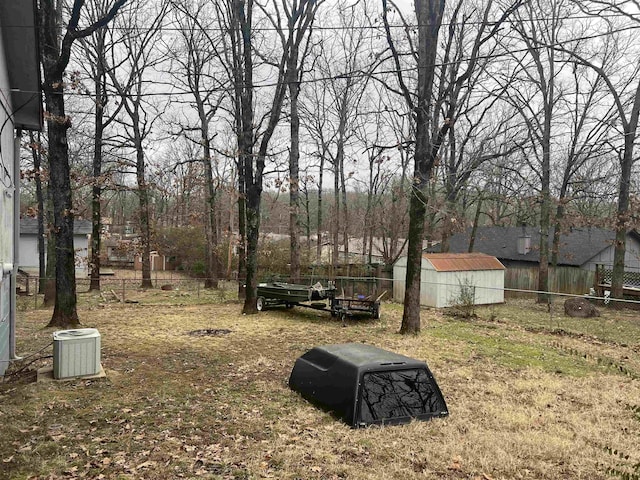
456	464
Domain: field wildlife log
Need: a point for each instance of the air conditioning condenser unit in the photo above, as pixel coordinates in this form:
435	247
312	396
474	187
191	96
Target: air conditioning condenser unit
76	353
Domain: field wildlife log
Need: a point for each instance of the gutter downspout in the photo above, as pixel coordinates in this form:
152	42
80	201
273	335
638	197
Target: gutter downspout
16	240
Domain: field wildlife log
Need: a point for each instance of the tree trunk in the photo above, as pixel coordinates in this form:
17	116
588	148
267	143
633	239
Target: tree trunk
545	207
622	215
294	169
254	193
36	151
342	189
557	230
336	217
242	234
319	216
429	16
50	270
417	211
474	228
96	191
144	212
212	260
55	58
65	311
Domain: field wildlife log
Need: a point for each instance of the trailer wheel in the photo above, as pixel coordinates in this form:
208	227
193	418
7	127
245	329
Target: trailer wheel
376	314
290	305
260	304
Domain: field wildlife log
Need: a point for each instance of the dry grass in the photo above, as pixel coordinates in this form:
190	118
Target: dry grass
531	397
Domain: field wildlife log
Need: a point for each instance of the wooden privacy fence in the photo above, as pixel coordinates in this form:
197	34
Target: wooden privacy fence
569	280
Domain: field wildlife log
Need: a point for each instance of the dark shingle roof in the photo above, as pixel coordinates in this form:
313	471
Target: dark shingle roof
29	226
576	247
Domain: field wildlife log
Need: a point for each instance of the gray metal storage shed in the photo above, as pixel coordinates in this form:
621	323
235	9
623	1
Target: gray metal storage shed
446	277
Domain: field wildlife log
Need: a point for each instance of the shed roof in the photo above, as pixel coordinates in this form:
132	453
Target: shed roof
29	226
460	262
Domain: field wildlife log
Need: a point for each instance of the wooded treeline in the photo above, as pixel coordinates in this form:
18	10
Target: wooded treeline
374	120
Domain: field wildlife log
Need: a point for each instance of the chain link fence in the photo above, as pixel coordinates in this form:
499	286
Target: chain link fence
124	287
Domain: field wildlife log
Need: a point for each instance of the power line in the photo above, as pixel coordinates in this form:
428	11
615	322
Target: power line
361	74
487	23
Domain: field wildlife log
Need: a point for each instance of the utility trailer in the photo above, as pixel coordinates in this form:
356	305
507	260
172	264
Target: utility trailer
343	306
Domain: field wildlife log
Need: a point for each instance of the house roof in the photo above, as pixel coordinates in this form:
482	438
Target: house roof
29	226
378	245
21	47
577	246
459	262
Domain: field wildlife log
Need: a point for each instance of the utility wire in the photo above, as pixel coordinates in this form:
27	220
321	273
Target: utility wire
366	27
360	74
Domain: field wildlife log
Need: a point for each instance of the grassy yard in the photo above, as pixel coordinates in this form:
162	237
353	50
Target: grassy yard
532	395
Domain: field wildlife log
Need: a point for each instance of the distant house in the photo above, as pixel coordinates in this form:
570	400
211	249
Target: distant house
119	253
29	244
449	279
20	99
380	247
583	248
157	262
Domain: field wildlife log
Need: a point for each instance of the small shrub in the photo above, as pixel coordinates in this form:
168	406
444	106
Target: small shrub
198	269
464	302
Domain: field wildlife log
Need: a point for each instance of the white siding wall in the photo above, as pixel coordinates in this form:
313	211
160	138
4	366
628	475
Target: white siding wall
29	252
443	289
6	212
429	288
631	257
6	153
399	275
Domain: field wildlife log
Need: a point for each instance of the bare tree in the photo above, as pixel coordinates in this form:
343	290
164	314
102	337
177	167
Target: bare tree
586	148
429	135
540	23
194	71
93	52
56	53
331	114
381	219
316	124
129	66
254	134
293	23
625	95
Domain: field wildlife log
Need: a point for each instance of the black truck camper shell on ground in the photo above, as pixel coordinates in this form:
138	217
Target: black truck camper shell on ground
365	385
